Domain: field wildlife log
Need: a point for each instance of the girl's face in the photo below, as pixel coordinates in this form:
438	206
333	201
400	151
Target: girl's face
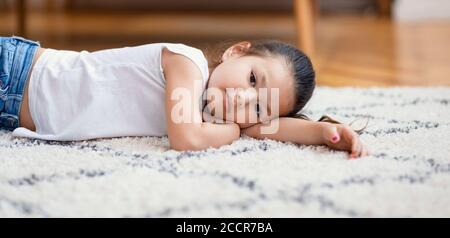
243	89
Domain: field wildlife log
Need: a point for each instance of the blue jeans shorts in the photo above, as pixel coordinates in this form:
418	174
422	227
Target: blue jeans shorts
16	57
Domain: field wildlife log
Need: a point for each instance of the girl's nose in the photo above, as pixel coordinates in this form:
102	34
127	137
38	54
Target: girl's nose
245	96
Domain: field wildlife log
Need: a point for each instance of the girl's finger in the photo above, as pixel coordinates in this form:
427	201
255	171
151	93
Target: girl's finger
363	150
332	134
359	150
355	145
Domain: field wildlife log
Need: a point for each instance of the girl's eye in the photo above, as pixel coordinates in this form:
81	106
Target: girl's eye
252	79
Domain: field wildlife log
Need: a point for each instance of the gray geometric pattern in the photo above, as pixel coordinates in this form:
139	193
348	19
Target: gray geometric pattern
406	175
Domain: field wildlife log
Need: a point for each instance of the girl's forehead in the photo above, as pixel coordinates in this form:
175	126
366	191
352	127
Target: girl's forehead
276	71
274	64
278	76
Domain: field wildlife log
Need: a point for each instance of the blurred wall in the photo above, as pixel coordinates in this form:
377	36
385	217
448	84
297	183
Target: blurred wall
347	6
283	5
412	10
185	4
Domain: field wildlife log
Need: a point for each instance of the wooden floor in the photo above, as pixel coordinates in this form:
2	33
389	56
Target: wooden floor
351	50
370	51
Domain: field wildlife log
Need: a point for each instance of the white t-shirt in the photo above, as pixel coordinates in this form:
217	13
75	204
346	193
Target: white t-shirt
107	93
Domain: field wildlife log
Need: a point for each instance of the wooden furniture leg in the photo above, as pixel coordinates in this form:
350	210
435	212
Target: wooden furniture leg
384	7
304	23
21	18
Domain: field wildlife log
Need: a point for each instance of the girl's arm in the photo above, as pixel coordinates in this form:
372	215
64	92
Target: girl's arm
191	134
300	131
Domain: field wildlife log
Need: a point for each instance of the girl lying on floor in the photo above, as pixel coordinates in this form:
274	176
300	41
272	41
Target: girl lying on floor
255	88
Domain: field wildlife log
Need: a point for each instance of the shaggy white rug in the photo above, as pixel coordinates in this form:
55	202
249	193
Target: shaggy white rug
407	175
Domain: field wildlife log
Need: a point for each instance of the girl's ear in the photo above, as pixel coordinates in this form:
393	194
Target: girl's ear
236	50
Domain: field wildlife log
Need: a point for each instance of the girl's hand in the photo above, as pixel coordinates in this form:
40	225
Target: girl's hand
207	117
343	137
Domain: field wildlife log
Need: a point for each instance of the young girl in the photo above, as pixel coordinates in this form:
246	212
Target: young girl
164	89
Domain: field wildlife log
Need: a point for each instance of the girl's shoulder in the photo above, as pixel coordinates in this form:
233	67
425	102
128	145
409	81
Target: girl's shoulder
177	66
176	56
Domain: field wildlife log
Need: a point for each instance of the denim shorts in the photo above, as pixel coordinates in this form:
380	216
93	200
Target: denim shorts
16	57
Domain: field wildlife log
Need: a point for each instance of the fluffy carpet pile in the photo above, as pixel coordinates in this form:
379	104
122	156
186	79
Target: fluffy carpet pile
407	174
